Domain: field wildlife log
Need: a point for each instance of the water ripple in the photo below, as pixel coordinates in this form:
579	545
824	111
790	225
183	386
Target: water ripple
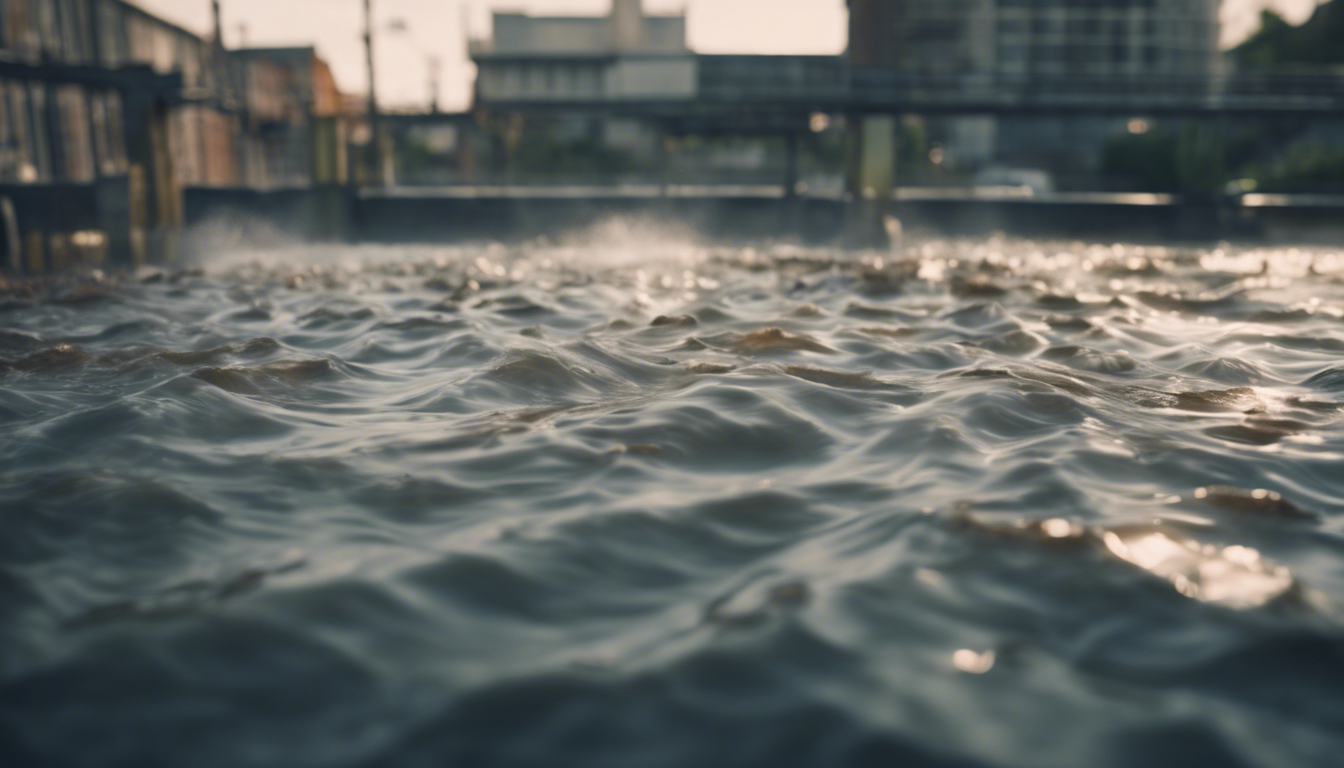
643	502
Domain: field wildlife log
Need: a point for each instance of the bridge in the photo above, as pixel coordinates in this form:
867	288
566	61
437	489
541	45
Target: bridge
774	87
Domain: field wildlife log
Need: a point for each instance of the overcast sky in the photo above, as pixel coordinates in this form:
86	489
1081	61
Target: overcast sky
436	28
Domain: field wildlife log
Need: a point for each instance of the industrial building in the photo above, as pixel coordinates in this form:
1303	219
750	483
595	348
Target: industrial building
107	112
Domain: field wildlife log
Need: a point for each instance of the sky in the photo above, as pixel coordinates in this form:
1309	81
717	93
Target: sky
436	29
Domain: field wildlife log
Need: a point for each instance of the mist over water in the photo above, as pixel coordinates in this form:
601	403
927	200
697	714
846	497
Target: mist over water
630	500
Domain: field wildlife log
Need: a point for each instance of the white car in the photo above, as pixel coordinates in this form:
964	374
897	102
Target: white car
1034	182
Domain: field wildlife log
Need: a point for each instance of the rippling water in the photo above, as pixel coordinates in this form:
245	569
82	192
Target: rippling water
634	502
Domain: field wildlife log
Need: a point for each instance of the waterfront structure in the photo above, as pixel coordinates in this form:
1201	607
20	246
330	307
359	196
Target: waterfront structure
626	56
1040	38
296	119
112	111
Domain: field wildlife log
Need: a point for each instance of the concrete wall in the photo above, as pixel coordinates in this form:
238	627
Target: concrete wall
445	216
56	226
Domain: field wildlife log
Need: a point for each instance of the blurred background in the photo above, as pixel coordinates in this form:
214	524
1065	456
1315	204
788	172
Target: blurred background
121	122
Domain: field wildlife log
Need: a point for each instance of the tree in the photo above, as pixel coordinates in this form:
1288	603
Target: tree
1320	41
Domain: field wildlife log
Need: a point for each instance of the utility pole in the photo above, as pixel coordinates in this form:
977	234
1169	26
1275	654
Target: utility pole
221	74
375	125
435	66
219	27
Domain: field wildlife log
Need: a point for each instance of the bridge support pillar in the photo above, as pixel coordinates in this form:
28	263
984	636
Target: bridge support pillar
790	166
871	180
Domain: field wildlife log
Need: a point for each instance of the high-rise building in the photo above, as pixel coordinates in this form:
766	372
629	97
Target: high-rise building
1036	37
627	54
1027	44
1106	37
924	36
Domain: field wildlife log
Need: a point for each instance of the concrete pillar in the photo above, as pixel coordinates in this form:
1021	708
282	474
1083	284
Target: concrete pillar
790	165
871	179
114	217
13	244
165	189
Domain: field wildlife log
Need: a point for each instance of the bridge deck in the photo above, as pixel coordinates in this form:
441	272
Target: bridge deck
791	85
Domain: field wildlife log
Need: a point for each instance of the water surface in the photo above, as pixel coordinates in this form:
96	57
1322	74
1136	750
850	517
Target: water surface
635	502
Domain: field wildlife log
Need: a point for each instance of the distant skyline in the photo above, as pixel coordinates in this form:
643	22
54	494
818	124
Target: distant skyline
436	29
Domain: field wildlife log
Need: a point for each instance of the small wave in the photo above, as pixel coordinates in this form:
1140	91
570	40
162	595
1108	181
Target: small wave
972	502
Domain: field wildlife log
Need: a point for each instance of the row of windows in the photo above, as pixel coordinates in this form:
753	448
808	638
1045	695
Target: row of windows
544	78
60	133
1089	54
97	32
1094	26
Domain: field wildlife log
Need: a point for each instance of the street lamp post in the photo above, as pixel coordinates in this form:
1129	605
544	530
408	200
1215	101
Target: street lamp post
376	163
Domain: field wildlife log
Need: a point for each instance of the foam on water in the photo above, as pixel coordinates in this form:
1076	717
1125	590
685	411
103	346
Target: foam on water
626	500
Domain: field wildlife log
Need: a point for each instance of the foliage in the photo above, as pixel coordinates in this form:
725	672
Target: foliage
1303	168
1146	161
1320	41
1201	164
546	155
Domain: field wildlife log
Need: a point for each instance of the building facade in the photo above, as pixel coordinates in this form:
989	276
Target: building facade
64	67
1041	38
288	98
625	55
113	111
1030	44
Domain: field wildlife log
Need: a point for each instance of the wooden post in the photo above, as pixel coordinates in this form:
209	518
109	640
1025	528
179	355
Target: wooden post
790	165
13	245
871	179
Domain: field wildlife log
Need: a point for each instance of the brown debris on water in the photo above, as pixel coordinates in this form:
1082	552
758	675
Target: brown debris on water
250	381
869	312
709	367
1055	532
883	279
1087	359
1058	301
1238	400
1016	342
674	321
837	379
777	339
978	286
257	347
1062	322
60	356
889	333
1259	502
1259	431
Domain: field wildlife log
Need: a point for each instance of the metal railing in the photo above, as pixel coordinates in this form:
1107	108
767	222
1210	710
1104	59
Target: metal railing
828	82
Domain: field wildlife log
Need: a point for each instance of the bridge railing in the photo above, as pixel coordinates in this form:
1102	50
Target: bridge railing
829	81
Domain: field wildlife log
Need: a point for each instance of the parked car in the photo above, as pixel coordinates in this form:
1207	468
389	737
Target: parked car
1035	181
